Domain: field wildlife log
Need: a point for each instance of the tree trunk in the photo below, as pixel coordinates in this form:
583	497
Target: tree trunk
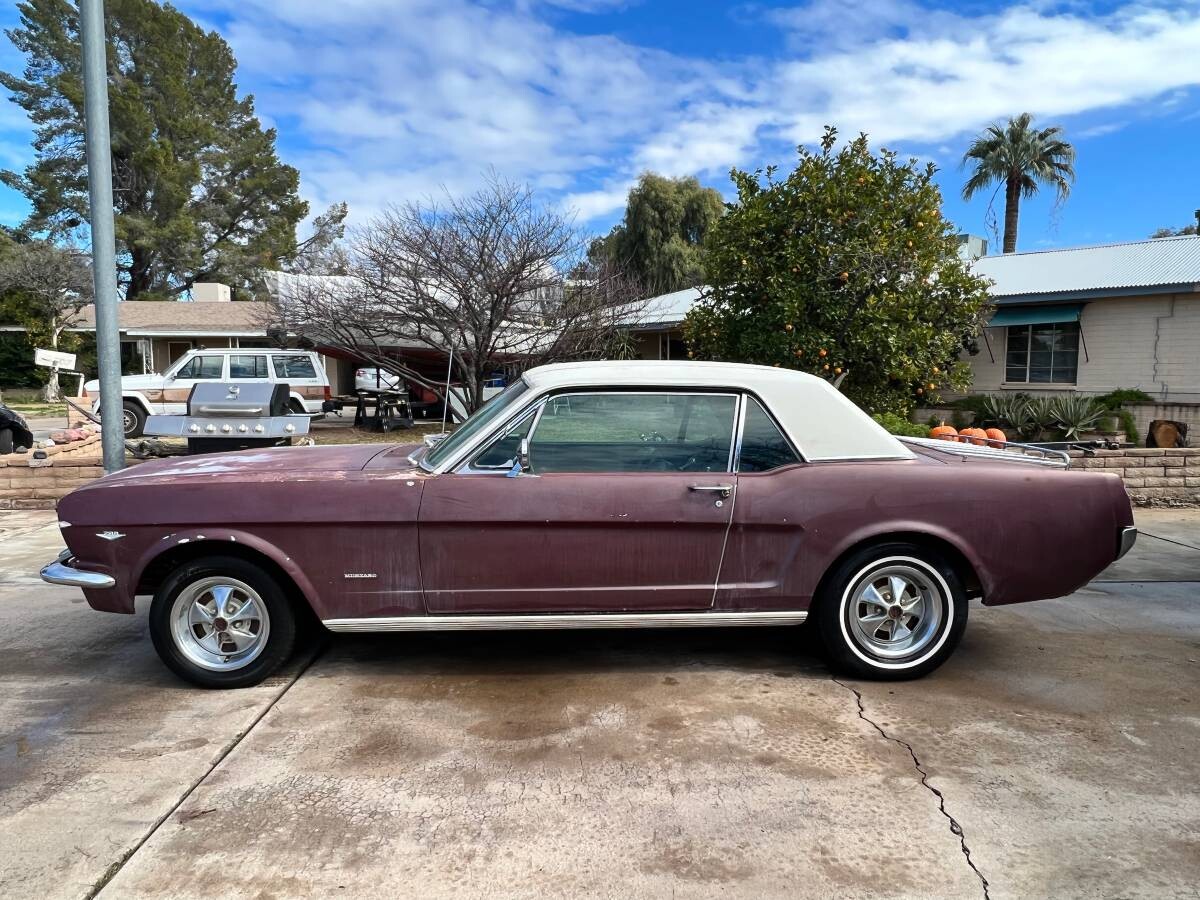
52	393
1012	210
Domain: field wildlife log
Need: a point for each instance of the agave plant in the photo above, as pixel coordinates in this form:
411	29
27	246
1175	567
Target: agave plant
1075	414
994	410
1021	416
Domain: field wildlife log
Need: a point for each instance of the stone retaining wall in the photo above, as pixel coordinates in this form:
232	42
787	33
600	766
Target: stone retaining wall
29	481
1152	477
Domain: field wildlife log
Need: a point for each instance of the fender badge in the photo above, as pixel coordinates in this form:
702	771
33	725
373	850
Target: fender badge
110	535
360	575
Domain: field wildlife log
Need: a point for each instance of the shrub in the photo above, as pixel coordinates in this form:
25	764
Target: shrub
898	425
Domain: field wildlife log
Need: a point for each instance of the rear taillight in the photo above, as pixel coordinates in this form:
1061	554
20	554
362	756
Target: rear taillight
328	393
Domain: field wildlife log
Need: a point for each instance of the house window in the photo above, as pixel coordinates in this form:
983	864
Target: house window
1042	354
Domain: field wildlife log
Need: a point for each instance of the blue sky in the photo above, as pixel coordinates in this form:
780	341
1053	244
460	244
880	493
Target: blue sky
379	101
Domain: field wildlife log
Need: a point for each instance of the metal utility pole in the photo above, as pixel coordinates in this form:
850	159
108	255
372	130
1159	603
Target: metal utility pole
104	253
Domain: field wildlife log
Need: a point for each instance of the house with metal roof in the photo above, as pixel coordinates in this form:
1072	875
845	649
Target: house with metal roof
1083	319
1093	319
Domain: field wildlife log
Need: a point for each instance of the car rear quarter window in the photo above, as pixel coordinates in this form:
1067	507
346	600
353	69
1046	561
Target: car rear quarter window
634	432
249	366
763	445
287	367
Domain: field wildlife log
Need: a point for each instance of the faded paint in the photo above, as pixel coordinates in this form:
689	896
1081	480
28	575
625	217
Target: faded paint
458	543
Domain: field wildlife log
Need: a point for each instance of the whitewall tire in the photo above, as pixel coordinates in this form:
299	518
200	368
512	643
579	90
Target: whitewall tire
891	611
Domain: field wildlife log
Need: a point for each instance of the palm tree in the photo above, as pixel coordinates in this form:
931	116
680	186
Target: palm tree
1022	158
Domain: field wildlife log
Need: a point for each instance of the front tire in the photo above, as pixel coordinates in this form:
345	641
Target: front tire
222	622
133	419
891	611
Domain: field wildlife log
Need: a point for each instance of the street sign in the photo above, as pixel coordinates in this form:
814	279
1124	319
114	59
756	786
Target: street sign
53	359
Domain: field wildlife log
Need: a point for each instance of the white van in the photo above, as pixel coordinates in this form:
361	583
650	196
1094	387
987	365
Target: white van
167	394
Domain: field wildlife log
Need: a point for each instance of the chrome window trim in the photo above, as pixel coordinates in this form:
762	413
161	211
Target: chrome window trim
778	427
470	450
468	467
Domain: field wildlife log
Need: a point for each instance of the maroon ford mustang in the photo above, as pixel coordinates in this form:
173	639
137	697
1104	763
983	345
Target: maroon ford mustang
596	495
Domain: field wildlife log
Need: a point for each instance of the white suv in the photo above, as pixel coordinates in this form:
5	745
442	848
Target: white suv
167	394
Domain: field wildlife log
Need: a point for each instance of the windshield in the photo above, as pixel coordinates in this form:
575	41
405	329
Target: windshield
490	412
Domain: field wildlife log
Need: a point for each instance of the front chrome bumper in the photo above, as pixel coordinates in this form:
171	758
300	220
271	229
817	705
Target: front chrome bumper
1128	537
58	572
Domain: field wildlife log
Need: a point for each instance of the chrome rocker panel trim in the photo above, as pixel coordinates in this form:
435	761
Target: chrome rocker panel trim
58	572
535	621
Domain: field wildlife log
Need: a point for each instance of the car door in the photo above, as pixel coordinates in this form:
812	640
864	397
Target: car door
624	507
178	385
763	565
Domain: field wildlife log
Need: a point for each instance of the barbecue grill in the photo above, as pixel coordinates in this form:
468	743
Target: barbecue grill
223	416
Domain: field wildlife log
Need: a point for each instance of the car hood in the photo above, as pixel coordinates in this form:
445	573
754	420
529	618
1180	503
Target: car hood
340	458
151	382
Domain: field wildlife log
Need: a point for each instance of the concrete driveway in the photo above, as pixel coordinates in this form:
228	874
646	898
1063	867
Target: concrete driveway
1056	755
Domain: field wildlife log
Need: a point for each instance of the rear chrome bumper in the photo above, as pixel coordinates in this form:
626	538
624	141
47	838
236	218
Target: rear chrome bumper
58	572
1127	539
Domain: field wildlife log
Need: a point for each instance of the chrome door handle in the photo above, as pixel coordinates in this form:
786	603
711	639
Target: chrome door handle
723	489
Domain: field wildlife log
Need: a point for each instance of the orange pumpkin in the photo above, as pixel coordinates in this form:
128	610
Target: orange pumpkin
996	437
976	436
944	432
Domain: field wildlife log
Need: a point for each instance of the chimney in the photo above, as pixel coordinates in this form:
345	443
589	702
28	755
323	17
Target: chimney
971	246
211	292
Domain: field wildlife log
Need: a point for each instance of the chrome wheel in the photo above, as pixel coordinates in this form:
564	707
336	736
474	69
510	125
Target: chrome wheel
220	624
895	610
128	421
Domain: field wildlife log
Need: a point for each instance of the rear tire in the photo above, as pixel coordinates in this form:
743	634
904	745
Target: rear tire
222	622
891	611
133	418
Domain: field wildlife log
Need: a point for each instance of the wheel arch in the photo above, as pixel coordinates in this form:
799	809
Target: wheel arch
157	563
956	555
138	398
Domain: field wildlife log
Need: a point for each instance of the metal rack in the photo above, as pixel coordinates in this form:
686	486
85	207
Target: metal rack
1000	451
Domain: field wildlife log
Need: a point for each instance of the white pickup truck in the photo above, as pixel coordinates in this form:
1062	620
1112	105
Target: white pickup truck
167	394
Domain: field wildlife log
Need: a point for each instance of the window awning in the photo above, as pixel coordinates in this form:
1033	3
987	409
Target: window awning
1036	315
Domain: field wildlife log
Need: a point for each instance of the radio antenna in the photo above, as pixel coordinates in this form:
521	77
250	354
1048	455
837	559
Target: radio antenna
446	400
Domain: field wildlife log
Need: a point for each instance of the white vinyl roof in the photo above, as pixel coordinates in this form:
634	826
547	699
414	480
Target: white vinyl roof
820	421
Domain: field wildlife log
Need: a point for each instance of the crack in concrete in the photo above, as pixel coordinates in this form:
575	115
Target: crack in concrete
955	827
111	872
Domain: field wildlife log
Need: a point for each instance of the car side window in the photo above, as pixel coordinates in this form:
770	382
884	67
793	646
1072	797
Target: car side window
293	367
201	367
634	432
763	445
248	366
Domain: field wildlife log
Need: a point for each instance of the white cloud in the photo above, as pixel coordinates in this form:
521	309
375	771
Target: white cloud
383	100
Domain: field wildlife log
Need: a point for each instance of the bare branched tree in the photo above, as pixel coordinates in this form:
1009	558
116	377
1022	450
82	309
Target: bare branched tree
51	285
483	277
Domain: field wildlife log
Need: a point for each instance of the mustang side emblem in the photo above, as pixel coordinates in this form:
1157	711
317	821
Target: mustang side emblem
110	535
360	575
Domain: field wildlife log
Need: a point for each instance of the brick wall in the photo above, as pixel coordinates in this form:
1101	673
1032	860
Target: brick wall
30	483
1152	477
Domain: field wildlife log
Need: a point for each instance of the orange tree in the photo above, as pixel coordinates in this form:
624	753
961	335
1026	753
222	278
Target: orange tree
846	266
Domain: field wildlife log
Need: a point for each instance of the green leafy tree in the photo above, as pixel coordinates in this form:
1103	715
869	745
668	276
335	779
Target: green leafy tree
44	289
1022	159
199	192
659	241
1175	232
844	269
